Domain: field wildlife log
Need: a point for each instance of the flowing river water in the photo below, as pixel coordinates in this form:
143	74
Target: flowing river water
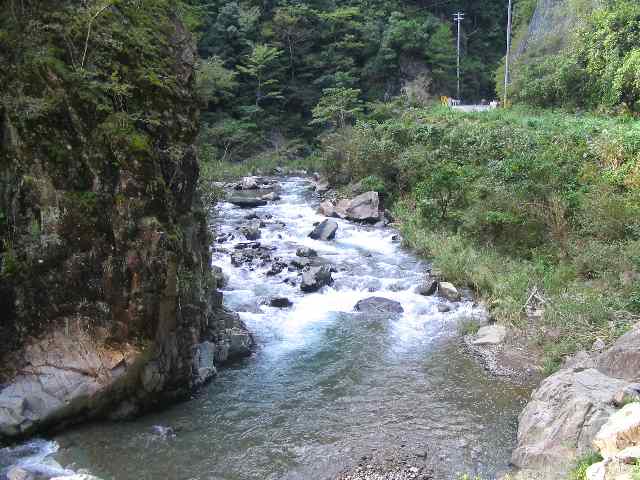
327	386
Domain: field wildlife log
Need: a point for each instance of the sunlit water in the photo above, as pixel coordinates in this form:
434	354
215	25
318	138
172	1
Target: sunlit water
326	385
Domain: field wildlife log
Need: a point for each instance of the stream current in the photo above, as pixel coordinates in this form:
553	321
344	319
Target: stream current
327	385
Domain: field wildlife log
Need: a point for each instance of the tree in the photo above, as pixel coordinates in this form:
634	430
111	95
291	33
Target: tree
214	82
260	66
337	106
291	26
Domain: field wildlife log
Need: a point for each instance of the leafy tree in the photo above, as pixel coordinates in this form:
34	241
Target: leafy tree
214	82
259	65
337	106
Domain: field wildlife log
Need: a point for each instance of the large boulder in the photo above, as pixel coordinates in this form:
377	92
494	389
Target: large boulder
622	360
328	209
622	430
251	231
378	305
490	335
248	183
325	230
363	208
247	202
448	291
315	278
561	420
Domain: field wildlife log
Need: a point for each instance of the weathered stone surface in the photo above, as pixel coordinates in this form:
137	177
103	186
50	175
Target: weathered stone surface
622	430
315	278
248	183
280	302
251	231
448	291
562	418
271	197
325	230
328	209
306	252
247	202
427	288
378	305
364	207
622	359
490	335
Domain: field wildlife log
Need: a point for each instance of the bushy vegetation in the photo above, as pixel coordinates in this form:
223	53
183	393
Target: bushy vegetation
511	203
277	70
579	472
598	68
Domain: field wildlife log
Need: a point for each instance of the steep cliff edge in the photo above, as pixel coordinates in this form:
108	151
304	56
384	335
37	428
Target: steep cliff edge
107	294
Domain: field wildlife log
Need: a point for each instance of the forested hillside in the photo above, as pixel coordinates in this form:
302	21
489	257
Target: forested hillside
266	65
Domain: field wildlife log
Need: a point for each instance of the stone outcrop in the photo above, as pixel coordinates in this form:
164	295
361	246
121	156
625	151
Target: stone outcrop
448	291
314	278
574	411
363	208
378	305
325	230
109	303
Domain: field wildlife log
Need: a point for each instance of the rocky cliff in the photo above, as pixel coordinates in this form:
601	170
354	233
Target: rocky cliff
108	299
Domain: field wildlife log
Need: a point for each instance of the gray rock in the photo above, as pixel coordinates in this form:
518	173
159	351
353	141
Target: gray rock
622	359
328	209
248	183
252	230
364	208
325	230
300	263
247	202
378	305
306	252
428	288
315	278
561	420
444	308
272	197
280	302
490	335
448	291
322	186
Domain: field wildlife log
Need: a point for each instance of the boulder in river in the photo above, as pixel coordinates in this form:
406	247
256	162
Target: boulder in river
378	305
448	291
251	231
300	263
622	430
247	202
314	278
306	252
622	359
272	197
325	230
363	208
248	183
427	288
328	209
280	302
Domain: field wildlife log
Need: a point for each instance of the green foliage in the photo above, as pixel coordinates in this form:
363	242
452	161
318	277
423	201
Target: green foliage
597	69
259	65
512	200
579	472
214	82
337	106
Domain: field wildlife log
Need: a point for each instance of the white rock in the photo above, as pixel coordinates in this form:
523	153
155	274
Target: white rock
596	471
490	335
448	291
17	473
622	430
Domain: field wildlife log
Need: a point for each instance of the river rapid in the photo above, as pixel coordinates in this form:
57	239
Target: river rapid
327	387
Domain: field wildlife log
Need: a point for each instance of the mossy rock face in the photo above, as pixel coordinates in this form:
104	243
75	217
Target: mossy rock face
97	180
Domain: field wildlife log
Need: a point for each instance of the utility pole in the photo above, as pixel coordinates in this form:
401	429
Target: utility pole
506	60
458	17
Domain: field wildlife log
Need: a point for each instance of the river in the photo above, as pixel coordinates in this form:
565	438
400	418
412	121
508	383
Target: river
327	386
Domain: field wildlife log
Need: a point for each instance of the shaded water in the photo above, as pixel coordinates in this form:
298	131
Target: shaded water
327	385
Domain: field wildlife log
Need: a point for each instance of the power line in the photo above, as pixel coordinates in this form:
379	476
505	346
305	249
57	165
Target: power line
458	17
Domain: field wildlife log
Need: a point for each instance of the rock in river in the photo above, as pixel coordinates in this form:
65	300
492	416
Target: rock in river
247	202
378	305
326	230
315	278
306	252
364	208
280	302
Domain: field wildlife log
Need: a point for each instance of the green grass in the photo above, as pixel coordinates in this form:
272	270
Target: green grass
579	472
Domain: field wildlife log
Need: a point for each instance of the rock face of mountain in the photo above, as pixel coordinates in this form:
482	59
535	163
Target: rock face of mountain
108	300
